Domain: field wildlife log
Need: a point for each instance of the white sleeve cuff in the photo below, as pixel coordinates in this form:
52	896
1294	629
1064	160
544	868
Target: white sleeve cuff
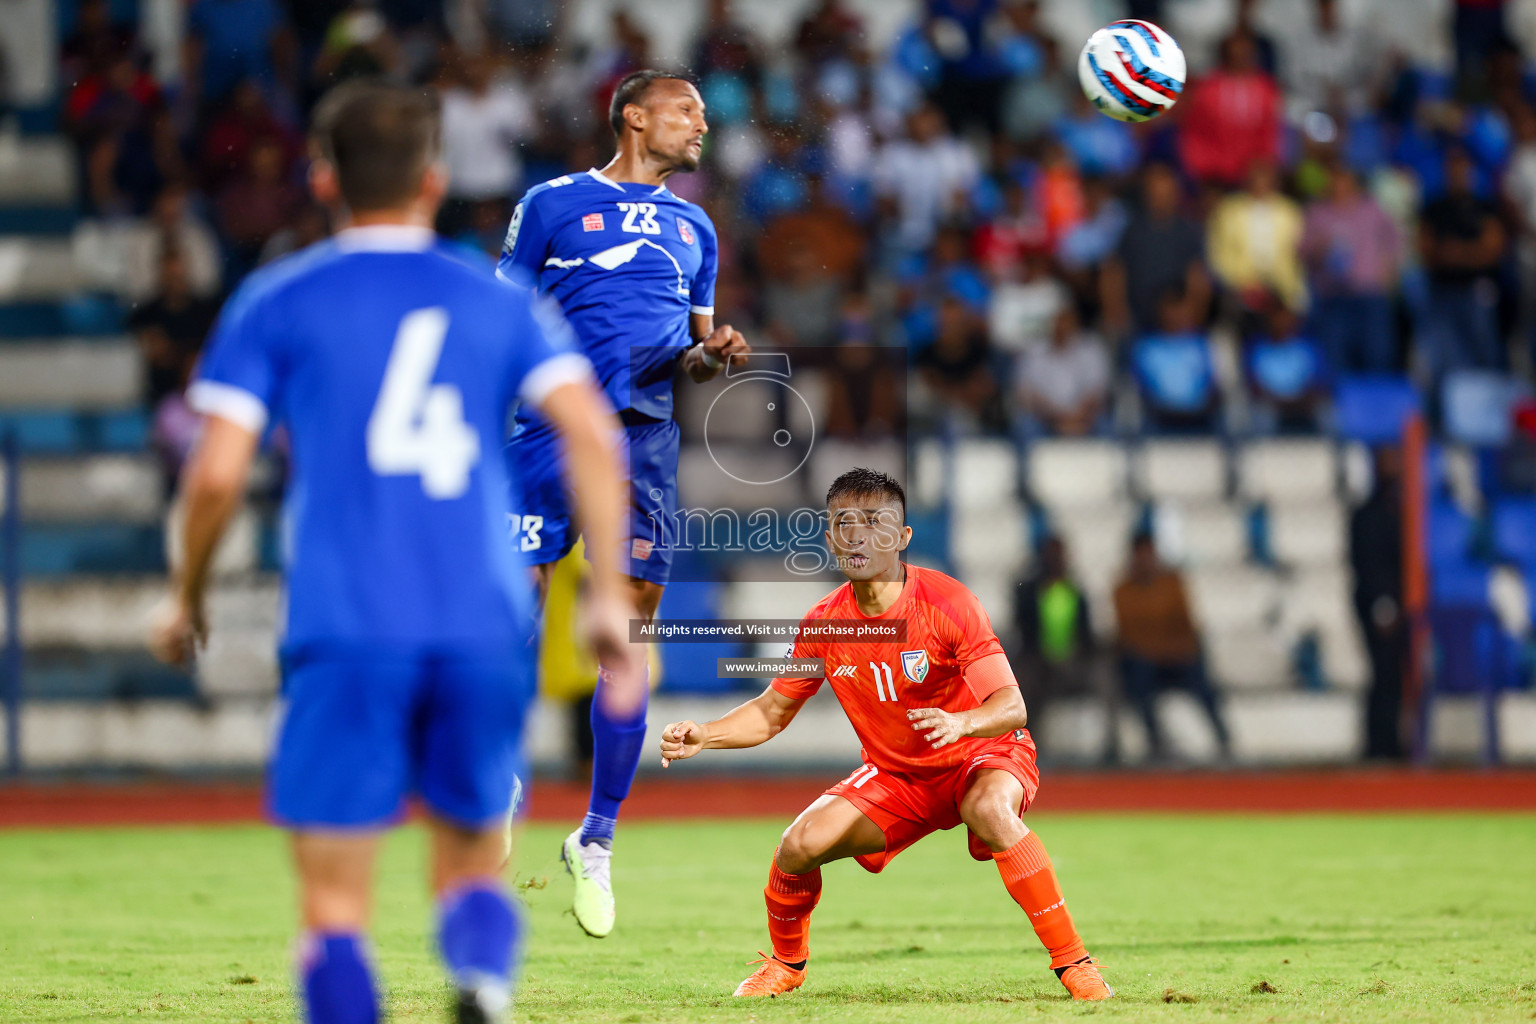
702	310
567	368
228	402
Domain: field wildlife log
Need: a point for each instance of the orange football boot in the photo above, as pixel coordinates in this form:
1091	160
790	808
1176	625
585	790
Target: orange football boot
773	978
1084	981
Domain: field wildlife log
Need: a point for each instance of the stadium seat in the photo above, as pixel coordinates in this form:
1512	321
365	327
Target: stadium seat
1449	531
1463	583
1514	530
830	459
37	268
1232	598
1072	474
1477	407
738	411
990	540
71	374
1373	408
1097	540
124	488
927	485
1247	659
986	471
1287	470
1181	470
1203	534
1307	533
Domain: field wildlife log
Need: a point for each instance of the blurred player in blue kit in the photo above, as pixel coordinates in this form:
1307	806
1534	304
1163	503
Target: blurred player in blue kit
393	365
633	268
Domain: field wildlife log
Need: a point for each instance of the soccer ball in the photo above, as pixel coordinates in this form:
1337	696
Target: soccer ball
1132	70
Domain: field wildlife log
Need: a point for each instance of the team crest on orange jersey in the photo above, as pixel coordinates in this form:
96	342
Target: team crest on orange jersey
914	665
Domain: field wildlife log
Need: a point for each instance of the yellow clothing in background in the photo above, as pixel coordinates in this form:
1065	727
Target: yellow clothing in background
1255	242
567	670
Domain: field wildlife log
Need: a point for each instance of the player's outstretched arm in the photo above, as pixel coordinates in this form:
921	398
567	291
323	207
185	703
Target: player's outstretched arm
587	426
757	721
212	486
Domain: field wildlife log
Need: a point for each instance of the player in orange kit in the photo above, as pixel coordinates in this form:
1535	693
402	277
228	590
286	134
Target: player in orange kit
941	721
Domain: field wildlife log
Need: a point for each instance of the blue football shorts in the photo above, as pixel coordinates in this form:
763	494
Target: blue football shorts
361	727
542	527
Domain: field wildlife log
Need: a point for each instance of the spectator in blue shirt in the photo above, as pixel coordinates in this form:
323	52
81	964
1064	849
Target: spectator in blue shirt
1286	372
1174	370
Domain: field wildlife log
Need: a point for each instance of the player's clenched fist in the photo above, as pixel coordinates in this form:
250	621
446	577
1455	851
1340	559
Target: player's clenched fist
939	727
680	740
726	343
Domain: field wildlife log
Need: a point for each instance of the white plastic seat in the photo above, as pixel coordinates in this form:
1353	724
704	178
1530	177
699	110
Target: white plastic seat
990	540
1204	534
831	459
986	472
1072	474
1181	470
1312	533
1247	659
1097	541
75	374
1288	470
927	487
118	487
1232	598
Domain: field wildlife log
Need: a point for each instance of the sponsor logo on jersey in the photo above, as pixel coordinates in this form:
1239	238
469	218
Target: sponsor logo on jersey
1018	734
914	665
639	549
592	222
684	231
842	671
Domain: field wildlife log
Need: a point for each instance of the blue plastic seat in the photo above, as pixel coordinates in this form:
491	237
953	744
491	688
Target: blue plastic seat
1476	407
1514	530
1450	533
1373	408
1460	584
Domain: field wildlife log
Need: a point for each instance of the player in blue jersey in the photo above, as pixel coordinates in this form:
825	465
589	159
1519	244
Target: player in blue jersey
633	268
393	365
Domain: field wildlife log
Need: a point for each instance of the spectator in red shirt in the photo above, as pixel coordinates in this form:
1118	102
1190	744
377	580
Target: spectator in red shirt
1231	117
244	120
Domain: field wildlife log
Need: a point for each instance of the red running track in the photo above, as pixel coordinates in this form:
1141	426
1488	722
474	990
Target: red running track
678	796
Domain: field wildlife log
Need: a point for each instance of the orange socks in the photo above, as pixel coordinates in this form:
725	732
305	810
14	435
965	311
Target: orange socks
791	898
1026	871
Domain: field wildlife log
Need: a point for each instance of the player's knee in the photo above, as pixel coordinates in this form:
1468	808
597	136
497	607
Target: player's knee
993	817
799	850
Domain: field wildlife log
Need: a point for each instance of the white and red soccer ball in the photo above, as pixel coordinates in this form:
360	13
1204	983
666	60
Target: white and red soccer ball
1132	70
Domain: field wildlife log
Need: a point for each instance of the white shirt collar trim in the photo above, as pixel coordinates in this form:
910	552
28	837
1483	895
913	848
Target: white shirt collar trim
386	238
600	176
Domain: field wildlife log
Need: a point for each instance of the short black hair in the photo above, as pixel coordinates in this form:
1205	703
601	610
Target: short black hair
380	138
632	89
861	481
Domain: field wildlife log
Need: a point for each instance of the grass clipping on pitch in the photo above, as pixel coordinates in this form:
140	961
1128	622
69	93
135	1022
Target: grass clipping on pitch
1379	918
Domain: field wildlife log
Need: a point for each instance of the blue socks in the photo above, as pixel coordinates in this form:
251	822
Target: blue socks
616	748
337	981
478	930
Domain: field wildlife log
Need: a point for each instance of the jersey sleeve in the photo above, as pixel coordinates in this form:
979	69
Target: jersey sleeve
238	377
527	240
701	292
800	689
970	636
544	350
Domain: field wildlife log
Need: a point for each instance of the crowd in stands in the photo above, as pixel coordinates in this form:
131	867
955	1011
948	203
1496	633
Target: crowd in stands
1315	206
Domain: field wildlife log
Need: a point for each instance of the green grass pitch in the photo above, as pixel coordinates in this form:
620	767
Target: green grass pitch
1374	918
